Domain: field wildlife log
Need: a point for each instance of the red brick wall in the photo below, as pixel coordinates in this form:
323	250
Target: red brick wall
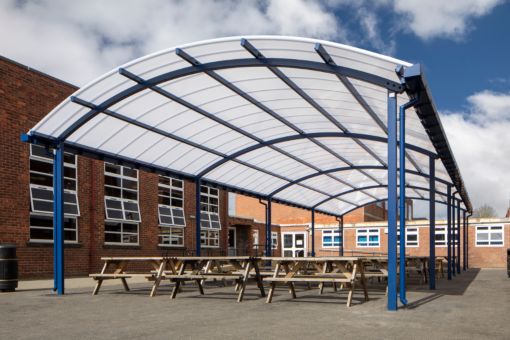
250	207
27	96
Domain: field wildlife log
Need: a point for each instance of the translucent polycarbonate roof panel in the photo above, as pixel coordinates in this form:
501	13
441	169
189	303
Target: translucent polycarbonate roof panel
265	115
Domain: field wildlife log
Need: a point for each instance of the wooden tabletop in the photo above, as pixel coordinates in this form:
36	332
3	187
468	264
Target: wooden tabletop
312	259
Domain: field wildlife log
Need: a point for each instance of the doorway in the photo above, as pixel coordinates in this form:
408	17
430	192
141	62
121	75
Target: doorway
232	241
294	244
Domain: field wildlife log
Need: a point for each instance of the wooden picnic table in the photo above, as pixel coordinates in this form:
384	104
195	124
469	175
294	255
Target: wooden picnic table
199	269
119	270
344	270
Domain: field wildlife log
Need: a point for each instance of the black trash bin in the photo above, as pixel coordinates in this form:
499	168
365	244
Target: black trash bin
8	268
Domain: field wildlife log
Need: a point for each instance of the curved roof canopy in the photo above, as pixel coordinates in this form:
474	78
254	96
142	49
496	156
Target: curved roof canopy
301	121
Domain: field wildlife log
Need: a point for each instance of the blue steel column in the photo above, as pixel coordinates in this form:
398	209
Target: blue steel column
58	219
453	236
268	229
464	241
198	184
392	201
458	233
449	230
432	228
341	236
313	232
402	203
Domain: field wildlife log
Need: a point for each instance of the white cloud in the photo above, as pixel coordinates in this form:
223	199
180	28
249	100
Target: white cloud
80	40
480	140
439	18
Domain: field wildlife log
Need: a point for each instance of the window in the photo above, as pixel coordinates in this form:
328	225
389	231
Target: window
41	195
121	193
489	235
41	228
210	238
255	237
121	205
442	236
274	240
367	237
120	232
209	207
331	238
171	211
412	237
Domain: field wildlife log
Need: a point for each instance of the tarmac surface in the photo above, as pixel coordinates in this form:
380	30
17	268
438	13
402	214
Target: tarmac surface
474	305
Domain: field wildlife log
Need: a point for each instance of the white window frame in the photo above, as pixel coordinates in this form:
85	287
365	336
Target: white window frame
205	234
368	232
334	233
410	231
209	219
40	240
171	189
122	200
274	240
122	233
50	190
491	229
173	232
442	231
44	213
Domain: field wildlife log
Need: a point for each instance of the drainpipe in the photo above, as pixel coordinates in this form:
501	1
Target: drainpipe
268	250
402	196
467	240
340	221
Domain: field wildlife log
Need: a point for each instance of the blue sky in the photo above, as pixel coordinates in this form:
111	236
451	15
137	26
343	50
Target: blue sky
463	45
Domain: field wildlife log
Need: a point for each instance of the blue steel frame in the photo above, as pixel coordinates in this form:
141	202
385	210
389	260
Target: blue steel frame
402	196
58	219
198	216
313	233
341	237
453	238
458	233
343	74
465	244
392	201
269	241
449	231
432	228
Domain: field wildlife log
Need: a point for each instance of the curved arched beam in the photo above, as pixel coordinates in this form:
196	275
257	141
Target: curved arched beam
341	169
368	187
228	64
307	136
385	199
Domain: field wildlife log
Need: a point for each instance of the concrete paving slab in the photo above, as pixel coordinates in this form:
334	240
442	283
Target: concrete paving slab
475	305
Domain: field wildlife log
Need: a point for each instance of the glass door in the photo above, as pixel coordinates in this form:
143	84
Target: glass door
294	244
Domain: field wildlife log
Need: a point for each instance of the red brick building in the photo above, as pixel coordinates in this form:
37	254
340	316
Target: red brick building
116	211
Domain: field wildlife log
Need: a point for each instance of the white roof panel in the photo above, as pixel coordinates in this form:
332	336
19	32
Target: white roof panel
290	116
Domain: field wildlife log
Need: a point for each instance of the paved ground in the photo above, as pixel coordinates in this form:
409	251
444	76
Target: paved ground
476	305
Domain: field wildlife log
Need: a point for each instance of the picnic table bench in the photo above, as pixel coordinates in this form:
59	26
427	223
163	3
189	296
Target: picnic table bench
119	270
343	270
235	268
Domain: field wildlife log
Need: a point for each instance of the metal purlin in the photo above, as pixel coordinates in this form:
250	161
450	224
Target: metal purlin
193	61
323	53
